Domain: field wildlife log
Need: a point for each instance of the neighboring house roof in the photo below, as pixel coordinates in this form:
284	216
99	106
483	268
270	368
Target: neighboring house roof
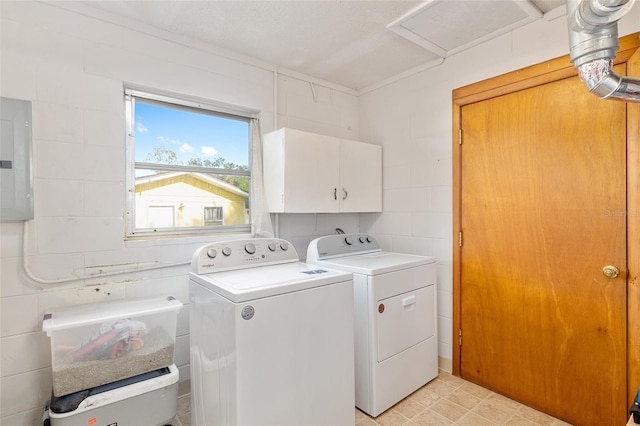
200	180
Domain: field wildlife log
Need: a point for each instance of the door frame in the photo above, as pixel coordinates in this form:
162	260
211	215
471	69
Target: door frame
535	75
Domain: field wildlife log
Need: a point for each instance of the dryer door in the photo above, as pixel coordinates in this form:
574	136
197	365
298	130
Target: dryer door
405	320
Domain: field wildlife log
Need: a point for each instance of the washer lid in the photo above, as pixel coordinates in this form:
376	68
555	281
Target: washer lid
376	263
241	285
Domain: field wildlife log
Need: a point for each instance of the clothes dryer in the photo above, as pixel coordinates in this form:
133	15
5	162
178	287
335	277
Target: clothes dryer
271	337
395	317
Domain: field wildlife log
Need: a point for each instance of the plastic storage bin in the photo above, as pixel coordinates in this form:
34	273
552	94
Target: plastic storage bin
150	399
99	343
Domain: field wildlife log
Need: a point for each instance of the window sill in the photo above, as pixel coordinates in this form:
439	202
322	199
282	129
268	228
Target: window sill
151	240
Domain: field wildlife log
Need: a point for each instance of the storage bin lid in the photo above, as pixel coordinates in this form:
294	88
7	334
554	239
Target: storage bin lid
92	313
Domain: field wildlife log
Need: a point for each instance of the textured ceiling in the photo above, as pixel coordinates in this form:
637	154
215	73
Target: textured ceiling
344	42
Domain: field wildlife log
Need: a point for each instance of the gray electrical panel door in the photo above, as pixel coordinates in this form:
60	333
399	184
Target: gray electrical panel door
16	188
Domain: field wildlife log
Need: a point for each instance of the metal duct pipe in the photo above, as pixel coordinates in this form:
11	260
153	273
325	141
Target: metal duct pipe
593	41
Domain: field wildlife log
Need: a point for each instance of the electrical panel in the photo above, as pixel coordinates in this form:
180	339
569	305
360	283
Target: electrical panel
16	183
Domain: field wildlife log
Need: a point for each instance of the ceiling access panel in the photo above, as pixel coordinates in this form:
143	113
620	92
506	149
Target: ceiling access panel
446	27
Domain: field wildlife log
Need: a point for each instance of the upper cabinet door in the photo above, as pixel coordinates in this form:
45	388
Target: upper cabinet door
360	177
301	172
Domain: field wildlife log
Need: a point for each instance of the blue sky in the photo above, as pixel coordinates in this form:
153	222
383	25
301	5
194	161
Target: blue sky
189	135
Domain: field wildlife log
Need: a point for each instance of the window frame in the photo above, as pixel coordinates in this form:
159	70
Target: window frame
198	105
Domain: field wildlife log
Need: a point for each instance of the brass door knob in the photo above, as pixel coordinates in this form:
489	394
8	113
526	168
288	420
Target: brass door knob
610	271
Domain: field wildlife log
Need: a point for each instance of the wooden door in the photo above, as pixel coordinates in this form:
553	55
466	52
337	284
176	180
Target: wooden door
542	211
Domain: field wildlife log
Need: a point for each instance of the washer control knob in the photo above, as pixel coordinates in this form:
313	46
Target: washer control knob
272	247
363	240
250	248
212	253
348	240
226	251
284	246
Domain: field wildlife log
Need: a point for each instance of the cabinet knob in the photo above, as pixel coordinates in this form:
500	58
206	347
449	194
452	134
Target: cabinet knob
346	194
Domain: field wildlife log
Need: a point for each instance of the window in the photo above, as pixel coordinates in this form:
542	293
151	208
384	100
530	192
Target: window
189	165
213	216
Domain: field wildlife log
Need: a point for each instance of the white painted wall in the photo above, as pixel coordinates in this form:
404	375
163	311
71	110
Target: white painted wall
71	64
412	120
72	67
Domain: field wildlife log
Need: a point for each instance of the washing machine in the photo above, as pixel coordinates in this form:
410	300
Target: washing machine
271	337
395	317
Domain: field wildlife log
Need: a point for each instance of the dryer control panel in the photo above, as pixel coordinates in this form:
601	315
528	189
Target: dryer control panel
240	254
339	245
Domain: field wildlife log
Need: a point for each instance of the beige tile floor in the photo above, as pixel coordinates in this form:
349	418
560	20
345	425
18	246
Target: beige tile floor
447	400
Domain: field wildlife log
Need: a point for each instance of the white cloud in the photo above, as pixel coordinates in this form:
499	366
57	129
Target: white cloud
170	141
141	128
209	151
185	147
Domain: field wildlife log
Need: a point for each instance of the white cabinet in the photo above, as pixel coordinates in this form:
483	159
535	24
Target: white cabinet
360	186
301	171
311	173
